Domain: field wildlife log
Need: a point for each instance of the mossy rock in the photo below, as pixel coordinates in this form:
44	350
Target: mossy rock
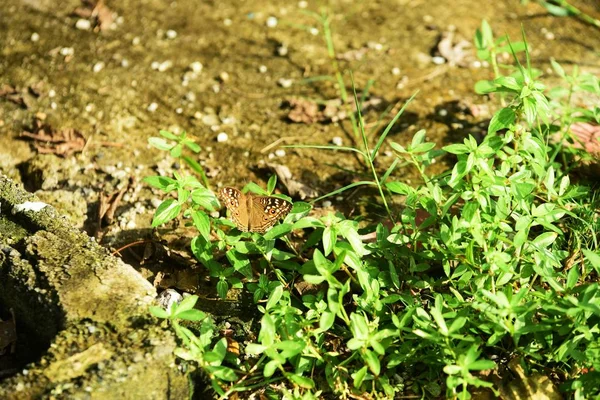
81	314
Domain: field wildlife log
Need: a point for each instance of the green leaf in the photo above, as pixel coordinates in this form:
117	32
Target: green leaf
456	149
161	182
503	119
160	143
271	184
484	86
400	188
326	321
192	315
159	312
223	373
359	377
593	258
169	135
372	361
278	231
222	288
166	211
202	223
274	297
301	381
186	304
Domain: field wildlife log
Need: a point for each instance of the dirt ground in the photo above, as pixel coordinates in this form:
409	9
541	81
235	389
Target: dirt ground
111	76
232	67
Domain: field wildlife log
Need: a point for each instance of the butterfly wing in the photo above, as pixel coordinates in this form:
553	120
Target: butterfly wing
236	203
265	211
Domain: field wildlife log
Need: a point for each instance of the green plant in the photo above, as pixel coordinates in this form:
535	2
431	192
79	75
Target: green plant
493	260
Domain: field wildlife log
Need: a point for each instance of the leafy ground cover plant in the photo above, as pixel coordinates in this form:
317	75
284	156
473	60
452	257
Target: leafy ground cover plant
490	264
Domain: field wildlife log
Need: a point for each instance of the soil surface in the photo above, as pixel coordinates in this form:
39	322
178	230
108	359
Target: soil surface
111	77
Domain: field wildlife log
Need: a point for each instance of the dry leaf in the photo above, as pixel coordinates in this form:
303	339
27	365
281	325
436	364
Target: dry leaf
456	53
46	140
97	12
294	187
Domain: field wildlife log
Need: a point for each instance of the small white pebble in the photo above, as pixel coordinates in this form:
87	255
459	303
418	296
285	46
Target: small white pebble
190	96
216	88
375	46
339	198
165	66
302	4
196	67
476	64
35	37
246	154
271	22
34	206
280	153
224	76
443	112
326	203
152	107
179	110
154	65
438	60
222	137
313	31
227	22
282	50
337	140
396	71
51	93
83	24
124	63
99	66
262	69
53	105
67	51
136	40
89	107
271	156
171	34
285	83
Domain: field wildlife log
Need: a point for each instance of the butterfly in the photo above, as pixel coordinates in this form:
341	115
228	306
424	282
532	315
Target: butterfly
251	212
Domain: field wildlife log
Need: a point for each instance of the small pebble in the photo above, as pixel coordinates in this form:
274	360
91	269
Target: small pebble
222	137
124	63
99	66
83	24
302	4
262	69
438	60
35	37
51	93
171	34
285	83
179	110
196	67
216	88
282	50
224	76
227	22
443	112
271	156
375	46
313	31
190	96
339	198
271	22
280	153
53	105
326	203
337	141
396	71
67	51
152	107
136	40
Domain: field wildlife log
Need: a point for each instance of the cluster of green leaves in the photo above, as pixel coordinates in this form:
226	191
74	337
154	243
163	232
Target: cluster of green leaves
493	260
